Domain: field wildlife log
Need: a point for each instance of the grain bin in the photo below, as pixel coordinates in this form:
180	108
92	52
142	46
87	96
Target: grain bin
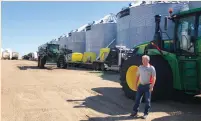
77	39
62	41
194	4
136	25
100	33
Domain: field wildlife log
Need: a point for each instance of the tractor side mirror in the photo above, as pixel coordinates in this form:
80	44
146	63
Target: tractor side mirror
166	23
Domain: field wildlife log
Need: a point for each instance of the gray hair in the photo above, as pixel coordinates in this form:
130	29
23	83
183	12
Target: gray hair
147	57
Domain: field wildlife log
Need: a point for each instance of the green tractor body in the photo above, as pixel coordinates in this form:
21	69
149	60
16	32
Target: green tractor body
177	62
50	53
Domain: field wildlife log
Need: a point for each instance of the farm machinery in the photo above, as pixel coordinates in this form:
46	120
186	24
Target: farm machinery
50	53
177	61
108	59
15	55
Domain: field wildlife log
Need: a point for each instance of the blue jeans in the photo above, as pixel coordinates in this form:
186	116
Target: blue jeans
143	90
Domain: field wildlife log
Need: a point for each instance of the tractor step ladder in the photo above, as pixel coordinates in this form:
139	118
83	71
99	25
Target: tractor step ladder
189	75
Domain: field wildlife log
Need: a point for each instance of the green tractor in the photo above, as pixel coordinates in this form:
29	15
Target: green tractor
177	62
50	53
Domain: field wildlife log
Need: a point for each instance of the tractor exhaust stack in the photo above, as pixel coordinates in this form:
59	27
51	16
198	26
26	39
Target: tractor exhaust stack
158	34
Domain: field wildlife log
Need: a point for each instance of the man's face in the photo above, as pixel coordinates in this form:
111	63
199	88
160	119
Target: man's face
145	61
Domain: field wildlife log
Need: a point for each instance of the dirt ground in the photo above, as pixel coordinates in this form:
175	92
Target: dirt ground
51	94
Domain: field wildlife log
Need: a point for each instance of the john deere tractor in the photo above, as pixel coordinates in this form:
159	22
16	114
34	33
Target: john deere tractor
177	62
50	53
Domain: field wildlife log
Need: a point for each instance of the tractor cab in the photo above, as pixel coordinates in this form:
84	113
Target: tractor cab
187	34
52	48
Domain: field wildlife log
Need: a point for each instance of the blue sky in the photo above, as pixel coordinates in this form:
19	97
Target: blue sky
26	25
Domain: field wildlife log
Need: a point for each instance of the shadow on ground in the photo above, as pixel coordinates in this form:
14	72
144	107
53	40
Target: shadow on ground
111	101
108	75
108	101
79	69
33	67
181	117
112	118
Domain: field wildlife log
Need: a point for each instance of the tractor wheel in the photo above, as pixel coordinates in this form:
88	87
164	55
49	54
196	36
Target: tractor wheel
58	64
95	66
164	78
164	84
62	62
42	62
38	61
102	67
128	75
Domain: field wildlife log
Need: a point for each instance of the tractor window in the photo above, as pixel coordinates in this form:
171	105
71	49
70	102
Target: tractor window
53	47
199	27
185	30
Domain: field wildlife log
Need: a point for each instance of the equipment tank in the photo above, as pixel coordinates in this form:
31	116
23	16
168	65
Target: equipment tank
101	33
5	55
15	56
136	25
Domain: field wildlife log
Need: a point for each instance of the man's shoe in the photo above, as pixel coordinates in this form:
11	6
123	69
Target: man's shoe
134	114
145	116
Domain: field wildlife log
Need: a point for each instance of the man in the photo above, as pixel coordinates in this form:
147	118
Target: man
147	76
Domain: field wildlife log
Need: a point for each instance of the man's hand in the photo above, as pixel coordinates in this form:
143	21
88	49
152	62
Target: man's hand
151	89
152	85
137	82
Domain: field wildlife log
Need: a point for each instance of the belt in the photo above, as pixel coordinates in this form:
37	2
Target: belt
145	84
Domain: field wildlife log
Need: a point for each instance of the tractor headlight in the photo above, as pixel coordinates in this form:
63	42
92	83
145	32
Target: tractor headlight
124	56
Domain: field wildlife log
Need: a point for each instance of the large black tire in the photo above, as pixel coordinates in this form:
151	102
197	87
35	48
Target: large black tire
164	82
42	62
39	61
95	66
134	60
62	63
58	64
164	78
102	67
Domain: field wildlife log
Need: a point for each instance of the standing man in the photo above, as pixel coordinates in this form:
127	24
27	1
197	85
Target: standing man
147	76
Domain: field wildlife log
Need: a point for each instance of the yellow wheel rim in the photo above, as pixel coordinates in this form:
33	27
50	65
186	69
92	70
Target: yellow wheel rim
131	77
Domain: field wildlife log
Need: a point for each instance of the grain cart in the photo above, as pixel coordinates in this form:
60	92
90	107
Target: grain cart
177	62
15	55
5	55
50	53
